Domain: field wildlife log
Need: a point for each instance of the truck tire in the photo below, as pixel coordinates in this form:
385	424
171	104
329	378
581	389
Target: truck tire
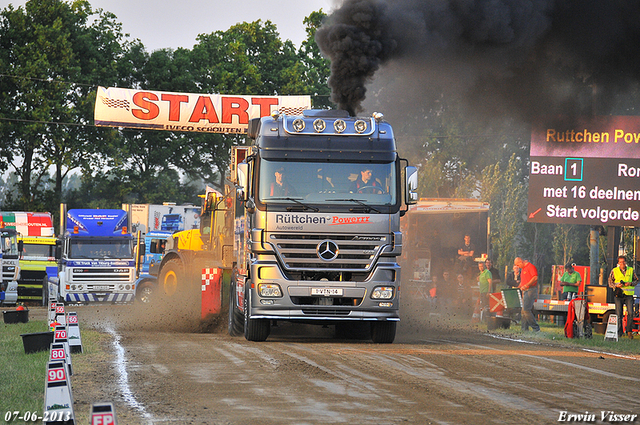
236	319
254	329
170	275
146	292
383	332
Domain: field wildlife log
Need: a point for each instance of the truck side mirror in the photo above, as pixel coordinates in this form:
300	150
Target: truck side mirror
58	252
411	185
20	246
243	178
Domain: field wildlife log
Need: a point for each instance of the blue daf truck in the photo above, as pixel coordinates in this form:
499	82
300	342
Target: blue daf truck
96	258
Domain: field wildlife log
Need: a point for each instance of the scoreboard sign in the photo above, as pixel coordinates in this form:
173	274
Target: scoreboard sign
585	171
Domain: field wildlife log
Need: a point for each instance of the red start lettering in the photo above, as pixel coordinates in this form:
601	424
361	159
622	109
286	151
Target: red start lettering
235	106
174	104
265	104
203	109
149	109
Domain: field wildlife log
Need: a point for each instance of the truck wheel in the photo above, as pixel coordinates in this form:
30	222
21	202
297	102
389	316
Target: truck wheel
254	329
383	332
236	319
145	292
169	276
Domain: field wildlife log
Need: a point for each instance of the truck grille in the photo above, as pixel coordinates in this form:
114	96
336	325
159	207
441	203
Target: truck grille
8	272
101	275
355	253
9	269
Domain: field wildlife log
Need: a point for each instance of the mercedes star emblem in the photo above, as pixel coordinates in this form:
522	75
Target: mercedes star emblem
327	250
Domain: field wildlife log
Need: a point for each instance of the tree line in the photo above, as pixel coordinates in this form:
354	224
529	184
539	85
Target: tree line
54	54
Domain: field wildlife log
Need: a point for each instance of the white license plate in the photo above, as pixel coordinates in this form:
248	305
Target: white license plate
326	291
100	288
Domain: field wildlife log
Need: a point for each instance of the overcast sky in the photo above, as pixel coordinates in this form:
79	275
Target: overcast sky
177	23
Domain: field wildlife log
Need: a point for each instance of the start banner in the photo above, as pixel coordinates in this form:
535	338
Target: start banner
207	113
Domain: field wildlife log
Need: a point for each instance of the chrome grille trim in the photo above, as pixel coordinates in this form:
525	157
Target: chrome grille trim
299	251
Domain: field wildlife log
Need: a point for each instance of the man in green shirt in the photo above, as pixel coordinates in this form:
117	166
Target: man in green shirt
484	280
570	283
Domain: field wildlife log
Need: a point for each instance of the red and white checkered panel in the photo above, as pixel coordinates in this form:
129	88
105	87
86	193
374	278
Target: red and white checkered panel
115	103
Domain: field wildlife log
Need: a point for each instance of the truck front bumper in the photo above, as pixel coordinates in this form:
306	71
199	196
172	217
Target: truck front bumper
100	298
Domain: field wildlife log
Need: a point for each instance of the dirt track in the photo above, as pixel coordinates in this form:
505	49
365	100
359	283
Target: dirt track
435	372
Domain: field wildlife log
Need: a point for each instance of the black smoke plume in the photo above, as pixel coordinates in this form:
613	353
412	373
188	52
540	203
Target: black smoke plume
528	57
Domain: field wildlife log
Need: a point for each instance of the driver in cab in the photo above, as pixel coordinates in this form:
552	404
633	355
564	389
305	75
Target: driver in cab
365	183
280	187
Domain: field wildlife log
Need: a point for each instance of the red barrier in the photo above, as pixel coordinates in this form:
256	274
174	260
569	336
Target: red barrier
211	291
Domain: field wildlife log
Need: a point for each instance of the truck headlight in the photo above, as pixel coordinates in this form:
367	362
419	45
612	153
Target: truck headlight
269	290
382	293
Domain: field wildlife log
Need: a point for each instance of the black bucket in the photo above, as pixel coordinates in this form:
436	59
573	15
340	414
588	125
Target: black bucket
39	341
498	322
16	316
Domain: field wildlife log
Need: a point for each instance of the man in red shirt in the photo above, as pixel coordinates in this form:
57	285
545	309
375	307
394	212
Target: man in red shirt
529	288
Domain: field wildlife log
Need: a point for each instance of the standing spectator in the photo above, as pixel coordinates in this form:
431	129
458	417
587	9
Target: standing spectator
464	300
484	280
512	281
570	283
433	291
447	291
622	279
513	278
529	288
495	276
465	256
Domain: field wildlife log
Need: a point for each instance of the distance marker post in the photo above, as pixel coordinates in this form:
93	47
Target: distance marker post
60	336
58	399
73	330
103	414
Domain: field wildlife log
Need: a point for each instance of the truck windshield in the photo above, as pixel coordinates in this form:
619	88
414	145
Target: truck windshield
32	250
97	248
327	183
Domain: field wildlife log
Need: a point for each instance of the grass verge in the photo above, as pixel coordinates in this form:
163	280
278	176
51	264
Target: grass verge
554	334
23	375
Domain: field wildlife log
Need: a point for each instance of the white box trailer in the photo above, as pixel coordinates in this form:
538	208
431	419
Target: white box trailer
170	217
434	229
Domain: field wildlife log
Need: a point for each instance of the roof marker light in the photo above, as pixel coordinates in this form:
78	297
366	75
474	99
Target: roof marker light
360	126
298	125
319	125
